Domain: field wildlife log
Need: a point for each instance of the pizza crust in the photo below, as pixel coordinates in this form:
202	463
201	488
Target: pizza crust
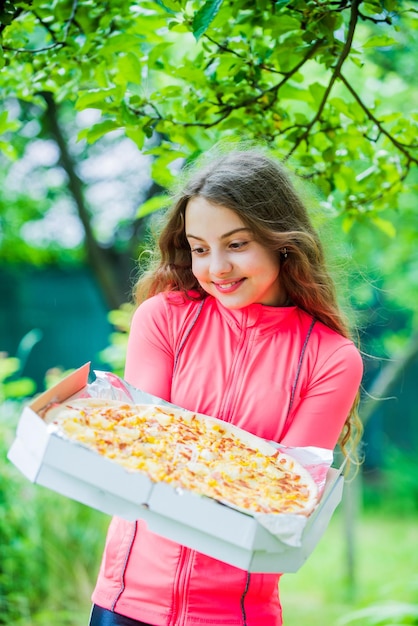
191	451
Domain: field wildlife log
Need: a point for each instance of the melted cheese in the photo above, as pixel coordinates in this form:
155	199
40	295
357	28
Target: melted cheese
190	451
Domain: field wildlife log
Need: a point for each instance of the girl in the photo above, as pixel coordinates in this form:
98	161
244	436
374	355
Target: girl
238	320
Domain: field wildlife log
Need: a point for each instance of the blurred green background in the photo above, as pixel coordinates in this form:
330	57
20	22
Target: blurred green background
102	105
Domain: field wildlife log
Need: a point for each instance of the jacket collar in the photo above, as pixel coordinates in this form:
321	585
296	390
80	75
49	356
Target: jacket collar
265	318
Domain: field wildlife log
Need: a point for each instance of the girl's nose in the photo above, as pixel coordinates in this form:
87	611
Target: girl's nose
219	264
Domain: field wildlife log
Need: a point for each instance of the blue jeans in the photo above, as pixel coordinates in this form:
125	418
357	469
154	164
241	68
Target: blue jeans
102	617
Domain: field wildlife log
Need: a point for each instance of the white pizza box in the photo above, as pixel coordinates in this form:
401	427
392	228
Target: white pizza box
197	522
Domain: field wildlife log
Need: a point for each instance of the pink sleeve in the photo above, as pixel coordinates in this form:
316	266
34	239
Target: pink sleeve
149	358
319	416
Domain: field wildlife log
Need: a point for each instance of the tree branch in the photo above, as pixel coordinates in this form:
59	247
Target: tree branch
223	47
46	27
226	110
70	19
344	54
56	44
381	194
399	145
292	72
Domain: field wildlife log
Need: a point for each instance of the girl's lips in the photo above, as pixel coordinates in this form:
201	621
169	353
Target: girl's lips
230	286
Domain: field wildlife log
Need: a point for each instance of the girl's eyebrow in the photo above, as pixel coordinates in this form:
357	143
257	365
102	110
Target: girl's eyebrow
224	236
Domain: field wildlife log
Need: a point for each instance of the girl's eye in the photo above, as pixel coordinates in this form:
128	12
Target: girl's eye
237	245
198	250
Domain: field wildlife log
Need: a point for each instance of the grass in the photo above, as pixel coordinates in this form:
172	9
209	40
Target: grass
385	568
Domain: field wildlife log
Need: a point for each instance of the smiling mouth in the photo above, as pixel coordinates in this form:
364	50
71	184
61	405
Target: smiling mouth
228	286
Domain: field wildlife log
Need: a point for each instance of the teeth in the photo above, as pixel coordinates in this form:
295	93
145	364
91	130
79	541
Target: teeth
227	285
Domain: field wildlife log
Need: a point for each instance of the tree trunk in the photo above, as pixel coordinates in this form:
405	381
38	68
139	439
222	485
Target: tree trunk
384	382
98	260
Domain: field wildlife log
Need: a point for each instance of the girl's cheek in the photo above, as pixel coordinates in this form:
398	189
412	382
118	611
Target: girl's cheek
197	266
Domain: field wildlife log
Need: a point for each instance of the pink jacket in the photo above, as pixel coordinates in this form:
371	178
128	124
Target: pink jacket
240	366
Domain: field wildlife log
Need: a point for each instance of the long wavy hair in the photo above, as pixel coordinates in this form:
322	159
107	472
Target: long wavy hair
261	191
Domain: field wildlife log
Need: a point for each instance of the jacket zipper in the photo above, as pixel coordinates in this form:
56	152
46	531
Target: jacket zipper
124	566
230	391
181	586
243	612
227	405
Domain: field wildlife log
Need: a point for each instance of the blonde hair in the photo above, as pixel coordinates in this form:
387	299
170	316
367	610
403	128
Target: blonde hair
260	190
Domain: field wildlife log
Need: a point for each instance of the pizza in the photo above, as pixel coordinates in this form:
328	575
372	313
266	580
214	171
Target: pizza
189	451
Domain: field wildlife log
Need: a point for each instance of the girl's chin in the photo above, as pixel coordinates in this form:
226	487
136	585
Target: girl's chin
231	302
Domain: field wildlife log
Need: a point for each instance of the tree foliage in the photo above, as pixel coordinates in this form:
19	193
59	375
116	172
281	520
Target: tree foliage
295	74
329	85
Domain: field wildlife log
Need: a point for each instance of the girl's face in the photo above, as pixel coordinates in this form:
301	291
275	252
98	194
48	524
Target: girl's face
227	261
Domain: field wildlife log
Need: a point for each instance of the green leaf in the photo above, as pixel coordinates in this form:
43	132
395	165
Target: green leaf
317	90
121	318
282	3
380	41
8	366
8	150
21	388
204	17
6	124
344	178
156	53
385	226
3	121
170	7
283	24
347	223
153	204
98	130
129	68
136	134
95	98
